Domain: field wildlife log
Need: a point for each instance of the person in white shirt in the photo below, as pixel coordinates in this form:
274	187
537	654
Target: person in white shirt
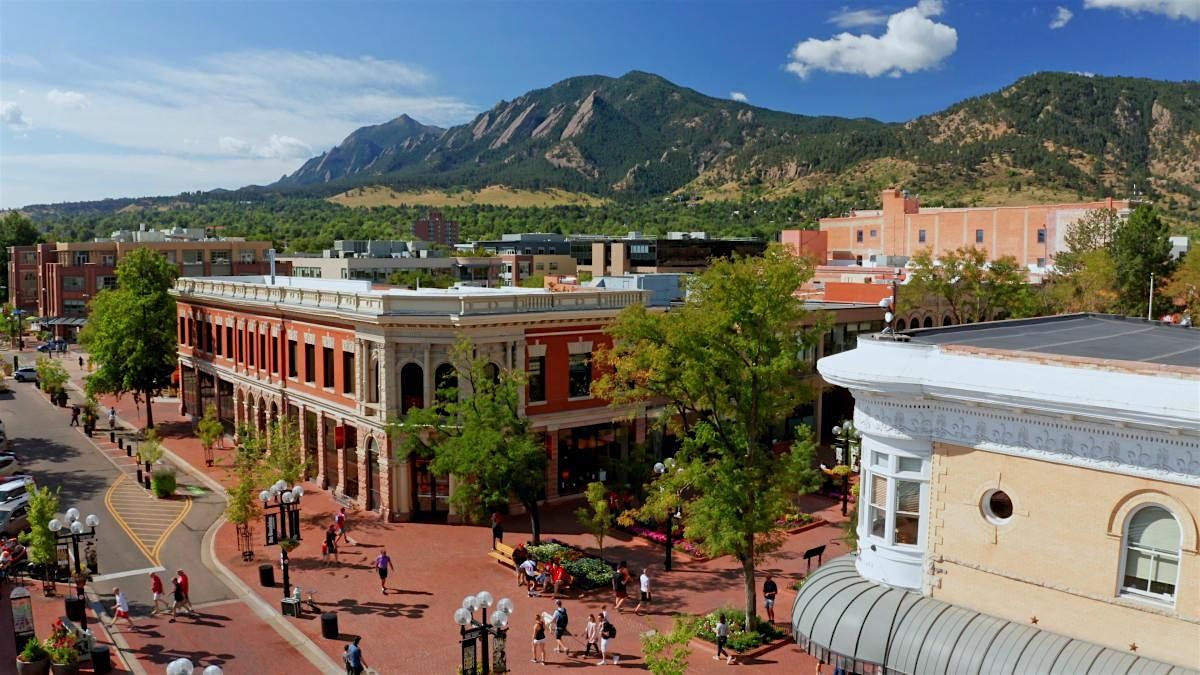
529	569
120	609
644	587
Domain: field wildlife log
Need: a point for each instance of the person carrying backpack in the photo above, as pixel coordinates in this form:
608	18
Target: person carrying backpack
560	627
607	633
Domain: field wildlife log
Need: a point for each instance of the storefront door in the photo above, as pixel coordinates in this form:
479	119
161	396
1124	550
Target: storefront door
433	492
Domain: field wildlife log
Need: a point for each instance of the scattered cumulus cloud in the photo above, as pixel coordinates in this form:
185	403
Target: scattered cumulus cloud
912	42
276	147
1174	9
1062	16
233	146
738	96
857	18
12	117
67	99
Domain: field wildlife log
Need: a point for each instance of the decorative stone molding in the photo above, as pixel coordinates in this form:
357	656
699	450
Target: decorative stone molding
1139	452
1136	500
310	339
348	345
536	350
327	341
292	334
581	347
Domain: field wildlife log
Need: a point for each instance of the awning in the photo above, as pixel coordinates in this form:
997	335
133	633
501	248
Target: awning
867	627
62	321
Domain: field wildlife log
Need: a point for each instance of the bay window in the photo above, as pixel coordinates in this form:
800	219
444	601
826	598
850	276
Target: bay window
894	501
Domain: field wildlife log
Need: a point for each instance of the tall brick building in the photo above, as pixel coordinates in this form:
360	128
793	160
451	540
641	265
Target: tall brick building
433	227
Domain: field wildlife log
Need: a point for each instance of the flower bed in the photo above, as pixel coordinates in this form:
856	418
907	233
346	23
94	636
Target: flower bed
659	537
740	640
795	523
589	571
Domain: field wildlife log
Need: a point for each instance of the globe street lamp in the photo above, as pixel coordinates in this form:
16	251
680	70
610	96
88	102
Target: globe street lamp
846	446
73	534
472	631
660	470
282	528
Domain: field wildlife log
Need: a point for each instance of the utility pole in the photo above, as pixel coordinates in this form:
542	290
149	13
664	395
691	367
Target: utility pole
1150	303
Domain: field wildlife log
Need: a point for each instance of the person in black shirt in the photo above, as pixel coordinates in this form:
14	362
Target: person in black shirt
769	591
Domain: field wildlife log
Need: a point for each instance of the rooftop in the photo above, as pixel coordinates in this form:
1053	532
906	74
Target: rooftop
1090	336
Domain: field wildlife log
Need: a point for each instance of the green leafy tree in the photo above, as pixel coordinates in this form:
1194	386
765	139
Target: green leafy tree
1090	287
209	429
729	364
1184	286
420	279
13	323
667	653
282	454
51	374
1095	231
597	517
1141	248
242	505
15	230
481	438
39	540
972	288
131	331
151	450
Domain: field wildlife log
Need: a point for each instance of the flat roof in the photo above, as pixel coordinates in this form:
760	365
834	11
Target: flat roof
1091	336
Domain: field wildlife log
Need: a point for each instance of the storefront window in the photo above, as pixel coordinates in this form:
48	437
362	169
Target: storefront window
583	452
580	375
537	378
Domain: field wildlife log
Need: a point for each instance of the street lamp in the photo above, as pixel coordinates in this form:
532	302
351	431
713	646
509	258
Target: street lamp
282	528
846	445
660	470
73	534
471	631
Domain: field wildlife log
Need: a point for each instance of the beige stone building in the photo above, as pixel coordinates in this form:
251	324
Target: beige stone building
1030	495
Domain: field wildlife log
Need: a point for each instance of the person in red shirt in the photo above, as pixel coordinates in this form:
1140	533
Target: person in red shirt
557	572
156	590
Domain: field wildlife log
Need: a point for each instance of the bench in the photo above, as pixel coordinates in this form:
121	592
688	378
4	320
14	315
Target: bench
503	553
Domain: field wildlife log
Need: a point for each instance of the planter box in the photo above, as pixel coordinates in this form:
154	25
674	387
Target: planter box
807	526
41	667
711	647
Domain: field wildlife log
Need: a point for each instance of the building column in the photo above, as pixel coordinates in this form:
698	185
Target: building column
427	376
551	462
399	485
341	461
322	470
364	476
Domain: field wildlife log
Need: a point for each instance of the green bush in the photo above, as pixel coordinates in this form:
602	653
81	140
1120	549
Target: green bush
590	572
739	640
549	551
34	651
163	483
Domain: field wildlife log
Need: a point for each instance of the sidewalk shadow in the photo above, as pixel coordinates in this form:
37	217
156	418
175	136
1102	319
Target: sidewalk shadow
394	610
159	655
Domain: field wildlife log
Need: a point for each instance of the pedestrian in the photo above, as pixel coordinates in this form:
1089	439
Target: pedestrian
120	609
74	416
591	633
560	627
557	574
519	556
539	639
81	363
497	529
529	569
382	564
340	521
180	593
769	592
355	664
722	632
156	592
607	633
620	585
644	592
331	541
346	657
112	419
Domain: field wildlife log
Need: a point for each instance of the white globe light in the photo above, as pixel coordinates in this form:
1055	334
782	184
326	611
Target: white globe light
505	605
483	599
287	497
298	492
501	621
72	514
180	667
468	603
265	496
280	485
462	617
669	462
92	520
659	467
213	670
885	303
55	525
77	527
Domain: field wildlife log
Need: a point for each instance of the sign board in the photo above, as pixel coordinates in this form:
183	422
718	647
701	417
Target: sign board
339	436
470	665
271	528
293	524
500	652
22	616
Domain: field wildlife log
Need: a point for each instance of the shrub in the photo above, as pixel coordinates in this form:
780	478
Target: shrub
592	572
549	551
62	654
739	639
34	651
163	483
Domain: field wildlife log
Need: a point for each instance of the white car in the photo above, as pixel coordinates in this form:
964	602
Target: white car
9	465
26	374
15	487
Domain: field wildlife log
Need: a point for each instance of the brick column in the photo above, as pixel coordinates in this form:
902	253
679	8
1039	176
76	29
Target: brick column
551	462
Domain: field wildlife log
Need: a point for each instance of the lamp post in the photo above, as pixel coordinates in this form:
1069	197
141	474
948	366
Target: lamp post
282	528
660	470
73	534
846	441
471	631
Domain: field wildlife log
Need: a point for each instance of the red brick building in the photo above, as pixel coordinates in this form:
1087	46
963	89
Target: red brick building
433	227
344	357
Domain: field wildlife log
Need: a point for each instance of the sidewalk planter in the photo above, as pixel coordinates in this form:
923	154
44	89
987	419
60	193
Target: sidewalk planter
33	660
163	483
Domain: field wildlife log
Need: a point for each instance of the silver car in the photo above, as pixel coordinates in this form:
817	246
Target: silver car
14	516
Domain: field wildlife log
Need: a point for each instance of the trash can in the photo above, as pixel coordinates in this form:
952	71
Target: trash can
266	575
75	608
101	660
329	627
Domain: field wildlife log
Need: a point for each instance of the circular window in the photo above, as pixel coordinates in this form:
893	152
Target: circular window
997	506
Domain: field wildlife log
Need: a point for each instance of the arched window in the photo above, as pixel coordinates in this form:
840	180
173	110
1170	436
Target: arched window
1151	564
412	387
445	378
492	372
929	322
901	325
947	321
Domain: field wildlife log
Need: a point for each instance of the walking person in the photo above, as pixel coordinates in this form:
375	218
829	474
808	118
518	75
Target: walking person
722	632
539	639
112	419
560	627
180	593
497	529
355	664
120	610
621	585
591	633
331	541
81	363
340	521
382	564
770	590
156	591
74	416
607	633
643	592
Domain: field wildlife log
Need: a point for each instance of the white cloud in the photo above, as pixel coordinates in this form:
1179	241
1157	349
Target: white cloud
911	42
738	96
67	99
1062	16
857	18
1175	9
233	146
12	117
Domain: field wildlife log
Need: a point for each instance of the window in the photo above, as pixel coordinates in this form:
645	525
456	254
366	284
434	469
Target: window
83	257
1041	235
275	354
247	256
106	283
920	236
74	308
347	372
220	256
28	258
262	351
291	358
310	363
997	507
327	367
191	256
537	378
250	348
182	330
894	504
1041	262
108	260
229	342
579	375
217	332
978	236
73	284
874	233
877	516
1151	565
241	351
858	236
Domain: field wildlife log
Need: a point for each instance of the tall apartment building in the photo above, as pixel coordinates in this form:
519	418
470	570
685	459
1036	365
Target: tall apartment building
887	236
61	278
434	228
1030	496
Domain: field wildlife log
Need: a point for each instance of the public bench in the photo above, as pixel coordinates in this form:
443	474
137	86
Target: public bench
503	553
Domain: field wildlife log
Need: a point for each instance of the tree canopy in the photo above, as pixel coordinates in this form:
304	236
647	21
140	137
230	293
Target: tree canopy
1141	248
729	365
972	288
1184	286
131	333
15	230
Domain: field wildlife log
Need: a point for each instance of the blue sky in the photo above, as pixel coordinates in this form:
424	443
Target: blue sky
128	99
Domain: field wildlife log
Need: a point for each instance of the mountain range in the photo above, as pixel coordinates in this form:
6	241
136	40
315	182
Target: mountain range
640	136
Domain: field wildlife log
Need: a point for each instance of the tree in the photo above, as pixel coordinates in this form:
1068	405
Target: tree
209	429
1094	231
15	230
281	452
51	375
242	505
974	289
729	365
13	323
131	331
39	540
480	437
420	279
1184	286
1141	248
1091	287
597	517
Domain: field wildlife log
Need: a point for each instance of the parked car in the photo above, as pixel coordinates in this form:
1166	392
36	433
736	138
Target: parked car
53	346
14	517
26	374
9	464
15	488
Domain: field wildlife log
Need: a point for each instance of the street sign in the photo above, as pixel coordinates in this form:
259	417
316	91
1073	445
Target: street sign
499	652
293	528
22	617
470	665
271	528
